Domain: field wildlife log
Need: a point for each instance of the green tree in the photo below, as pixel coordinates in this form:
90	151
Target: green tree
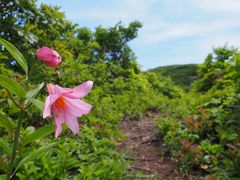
218	70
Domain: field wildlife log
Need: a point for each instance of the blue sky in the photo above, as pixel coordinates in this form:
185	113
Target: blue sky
174	31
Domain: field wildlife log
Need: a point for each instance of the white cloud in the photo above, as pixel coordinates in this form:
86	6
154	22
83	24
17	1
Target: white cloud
222	6
159	32
126	11
195	52
218	40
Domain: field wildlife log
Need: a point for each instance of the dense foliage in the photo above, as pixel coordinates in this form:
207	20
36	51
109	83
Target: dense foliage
202	131
181	75
120	91
200	127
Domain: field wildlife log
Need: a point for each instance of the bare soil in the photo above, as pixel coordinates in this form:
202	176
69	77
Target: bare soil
143	146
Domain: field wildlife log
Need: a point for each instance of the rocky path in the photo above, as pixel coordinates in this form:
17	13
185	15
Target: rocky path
143	146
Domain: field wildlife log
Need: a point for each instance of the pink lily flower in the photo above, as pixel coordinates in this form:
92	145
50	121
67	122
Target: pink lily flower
49	56
65	106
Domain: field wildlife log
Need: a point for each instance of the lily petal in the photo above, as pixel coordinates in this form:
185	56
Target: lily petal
47	107
76	107
81	90
60	90
50	100
72	123
59	119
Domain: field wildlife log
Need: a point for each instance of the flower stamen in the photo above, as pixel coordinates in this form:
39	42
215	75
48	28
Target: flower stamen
60	103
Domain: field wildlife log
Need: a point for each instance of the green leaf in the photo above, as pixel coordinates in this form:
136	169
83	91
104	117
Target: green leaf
98	172
35	91
3	176
12	86
4	122
34	155
40	133
5	147
39	104
15	53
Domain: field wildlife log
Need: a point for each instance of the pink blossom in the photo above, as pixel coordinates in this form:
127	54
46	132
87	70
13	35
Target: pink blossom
49	56
65	106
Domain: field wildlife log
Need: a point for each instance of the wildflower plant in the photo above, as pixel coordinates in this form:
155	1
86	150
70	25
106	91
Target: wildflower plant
63	103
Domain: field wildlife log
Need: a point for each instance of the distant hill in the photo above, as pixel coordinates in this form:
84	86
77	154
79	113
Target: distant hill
182	75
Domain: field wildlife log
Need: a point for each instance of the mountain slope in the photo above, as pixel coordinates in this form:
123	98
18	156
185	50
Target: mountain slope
182	75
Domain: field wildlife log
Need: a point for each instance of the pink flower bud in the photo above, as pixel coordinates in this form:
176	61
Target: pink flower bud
49	56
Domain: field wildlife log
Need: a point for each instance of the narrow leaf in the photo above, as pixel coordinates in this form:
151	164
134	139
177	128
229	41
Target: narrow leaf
12	86
34	155
35	91
4	122
40	133
15	53
39	104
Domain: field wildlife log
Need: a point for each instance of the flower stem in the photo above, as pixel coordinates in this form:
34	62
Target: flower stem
15	146
58	76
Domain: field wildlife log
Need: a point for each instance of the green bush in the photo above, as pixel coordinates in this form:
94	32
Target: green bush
202	130
120	91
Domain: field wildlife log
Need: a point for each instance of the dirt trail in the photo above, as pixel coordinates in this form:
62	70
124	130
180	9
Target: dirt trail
143	145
